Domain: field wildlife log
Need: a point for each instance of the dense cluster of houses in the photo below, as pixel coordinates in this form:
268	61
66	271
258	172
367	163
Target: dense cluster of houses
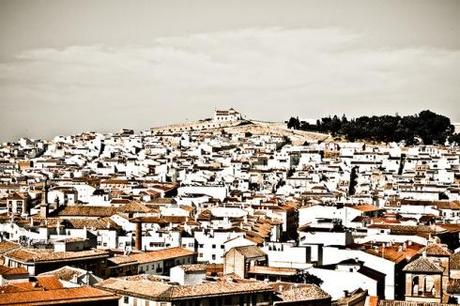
225	212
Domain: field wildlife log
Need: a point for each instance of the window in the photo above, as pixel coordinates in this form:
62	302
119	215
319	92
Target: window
213	256
200	245
222	247
213	246
126	299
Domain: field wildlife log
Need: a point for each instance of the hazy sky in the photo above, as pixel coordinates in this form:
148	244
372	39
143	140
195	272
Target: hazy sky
73	66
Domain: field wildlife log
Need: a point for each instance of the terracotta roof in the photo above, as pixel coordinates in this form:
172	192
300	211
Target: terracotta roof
289	292
272	270
16	196
419	230
194	267
364	207
37	255
18	287
153	256
87	211
122	260
66	273
160	220
64	295
6	246
394	253
436	250
451	227
92	224
454	286
49	282
149	288
453	205
254	237
134	207
422	264
373	300
7	271
455	261
250	251
115	181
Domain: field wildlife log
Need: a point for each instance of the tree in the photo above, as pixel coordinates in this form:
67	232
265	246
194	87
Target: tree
433	127
353	181
307	278
455	138
427	126
293	123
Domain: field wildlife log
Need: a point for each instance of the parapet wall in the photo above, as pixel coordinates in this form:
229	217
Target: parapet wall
194	126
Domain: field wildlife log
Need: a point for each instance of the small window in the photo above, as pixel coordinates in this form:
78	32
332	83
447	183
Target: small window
213	246
126	299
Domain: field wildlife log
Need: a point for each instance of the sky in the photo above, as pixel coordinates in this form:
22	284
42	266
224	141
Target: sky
101	65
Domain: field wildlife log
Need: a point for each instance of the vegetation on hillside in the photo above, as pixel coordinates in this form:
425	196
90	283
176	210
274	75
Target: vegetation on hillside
427	127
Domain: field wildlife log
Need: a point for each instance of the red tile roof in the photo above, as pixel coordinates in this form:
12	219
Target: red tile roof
63	295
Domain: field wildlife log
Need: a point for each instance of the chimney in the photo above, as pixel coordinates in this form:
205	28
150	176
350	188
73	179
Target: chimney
44	210
58	227
45	192
138	242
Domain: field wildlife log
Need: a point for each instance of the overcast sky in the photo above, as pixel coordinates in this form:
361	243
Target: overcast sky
73	66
